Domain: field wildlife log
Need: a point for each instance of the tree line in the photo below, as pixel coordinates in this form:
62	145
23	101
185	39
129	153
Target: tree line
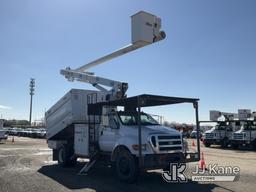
15	123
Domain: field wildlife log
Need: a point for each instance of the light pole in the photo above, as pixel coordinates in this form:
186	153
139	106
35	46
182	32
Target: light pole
32	89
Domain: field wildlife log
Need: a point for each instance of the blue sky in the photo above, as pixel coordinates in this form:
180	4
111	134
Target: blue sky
209	52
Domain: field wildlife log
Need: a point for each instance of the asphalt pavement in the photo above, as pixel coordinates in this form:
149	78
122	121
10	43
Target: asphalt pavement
26	165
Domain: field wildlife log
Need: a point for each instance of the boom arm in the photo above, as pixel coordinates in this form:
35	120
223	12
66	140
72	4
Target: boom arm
118	88
145	31
120	52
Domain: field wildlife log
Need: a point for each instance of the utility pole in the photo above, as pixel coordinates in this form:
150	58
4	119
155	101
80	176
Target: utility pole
32	89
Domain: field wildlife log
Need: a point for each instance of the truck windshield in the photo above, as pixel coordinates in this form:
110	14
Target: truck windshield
221	127
250	126
131	119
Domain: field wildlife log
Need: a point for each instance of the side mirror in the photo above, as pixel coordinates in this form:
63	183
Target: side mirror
114	124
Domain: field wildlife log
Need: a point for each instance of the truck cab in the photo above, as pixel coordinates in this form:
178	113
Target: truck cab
220	134
122	130
246	135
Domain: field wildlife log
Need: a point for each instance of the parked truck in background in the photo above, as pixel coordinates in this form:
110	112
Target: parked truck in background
88	124
246	135
221	133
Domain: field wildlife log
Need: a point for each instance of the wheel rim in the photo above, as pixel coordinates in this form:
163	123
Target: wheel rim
124	166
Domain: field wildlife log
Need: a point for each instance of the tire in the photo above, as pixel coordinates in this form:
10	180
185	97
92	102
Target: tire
207	144
126	167
224	143
64	157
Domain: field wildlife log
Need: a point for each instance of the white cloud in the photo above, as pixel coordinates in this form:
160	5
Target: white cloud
4	107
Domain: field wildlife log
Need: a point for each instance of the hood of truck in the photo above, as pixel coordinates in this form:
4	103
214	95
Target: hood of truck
210	131
147	130
128	135
151	129
240	131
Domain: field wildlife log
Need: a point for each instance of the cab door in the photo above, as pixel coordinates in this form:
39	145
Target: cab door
109	133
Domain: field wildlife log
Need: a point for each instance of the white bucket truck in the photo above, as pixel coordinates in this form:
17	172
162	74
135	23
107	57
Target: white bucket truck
221	133
86	123
247	133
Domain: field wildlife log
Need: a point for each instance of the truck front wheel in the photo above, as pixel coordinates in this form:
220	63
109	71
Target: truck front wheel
126	167
206	144
224	143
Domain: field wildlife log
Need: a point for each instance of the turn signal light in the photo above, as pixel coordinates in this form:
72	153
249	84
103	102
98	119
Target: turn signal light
136	147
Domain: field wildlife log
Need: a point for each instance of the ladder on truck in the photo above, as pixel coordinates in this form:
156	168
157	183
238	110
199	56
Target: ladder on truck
93	136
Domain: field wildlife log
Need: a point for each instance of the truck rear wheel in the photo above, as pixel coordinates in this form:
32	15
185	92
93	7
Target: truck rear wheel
126	167
64	157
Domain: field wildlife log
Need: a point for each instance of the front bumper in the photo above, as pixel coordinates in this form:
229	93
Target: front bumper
213	141
161	161
209	141
239	142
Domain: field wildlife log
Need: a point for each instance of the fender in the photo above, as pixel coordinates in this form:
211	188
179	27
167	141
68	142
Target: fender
126	143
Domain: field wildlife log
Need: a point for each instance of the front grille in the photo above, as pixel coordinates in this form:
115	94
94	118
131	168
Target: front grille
168	137
166	143
238	136
169	148
209	135
153	140
169	143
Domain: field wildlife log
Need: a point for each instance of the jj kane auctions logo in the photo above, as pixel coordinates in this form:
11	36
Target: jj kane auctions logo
211	173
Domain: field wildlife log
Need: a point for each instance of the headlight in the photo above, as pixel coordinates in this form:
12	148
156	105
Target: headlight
185	145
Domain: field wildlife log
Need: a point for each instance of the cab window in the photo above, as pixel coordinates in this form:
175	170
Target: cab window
113	123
